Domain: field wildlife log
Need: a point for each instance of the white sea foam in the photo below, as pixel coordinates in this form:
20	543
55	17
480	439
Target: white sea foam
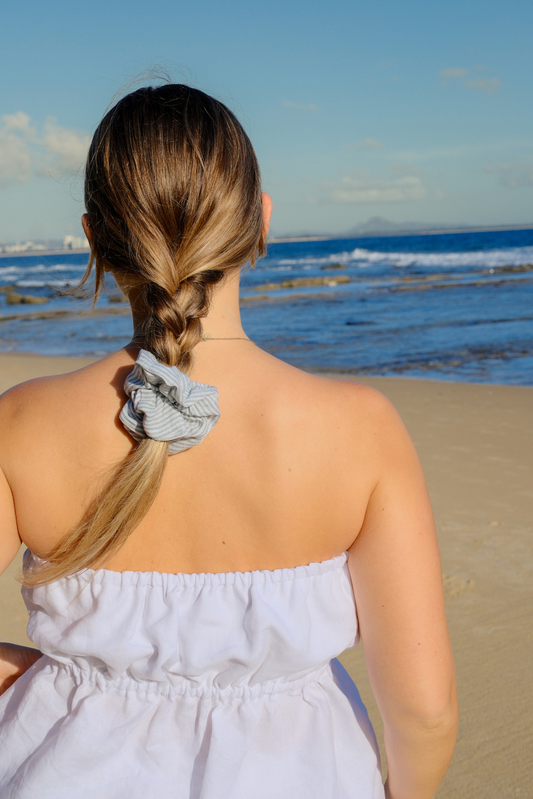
482	258
341	257
40	284
6	271
512	256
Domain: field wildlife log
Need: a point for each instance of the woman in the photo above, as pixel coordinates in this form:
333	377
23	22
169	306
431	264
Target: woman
196	553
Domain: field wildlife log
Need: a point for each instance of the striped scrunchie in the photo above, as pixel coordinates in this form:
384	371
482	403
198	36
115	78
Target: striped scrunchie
166	405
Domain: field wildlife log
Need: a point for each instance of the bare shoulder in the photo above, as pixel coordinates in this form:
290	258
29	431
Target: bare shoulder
25	398
348	421
58	401
345	400
26	411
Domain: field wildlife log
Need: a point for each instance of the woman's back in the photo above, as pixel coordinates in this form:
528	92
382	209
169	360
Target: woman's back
282	480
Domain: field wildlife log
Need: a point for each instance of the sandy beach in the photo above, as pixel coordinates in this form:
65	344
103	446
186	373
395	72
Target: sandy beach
476	445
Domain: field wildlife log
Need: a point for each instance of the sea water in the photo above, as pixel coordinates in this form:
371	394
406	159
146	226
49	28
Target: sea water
455	306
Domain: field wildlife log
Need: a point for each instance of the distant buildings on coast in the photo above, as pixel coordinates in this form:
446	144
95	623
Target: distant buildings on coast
69	242
27	246
75	243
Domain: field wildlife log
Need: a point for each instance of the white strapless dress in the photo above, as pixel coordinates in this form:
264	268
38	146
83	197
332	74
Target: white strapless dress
202	686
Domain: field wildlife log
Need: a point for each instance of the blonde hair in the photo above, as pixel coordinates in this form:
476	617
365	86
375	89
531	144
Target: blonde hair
173	196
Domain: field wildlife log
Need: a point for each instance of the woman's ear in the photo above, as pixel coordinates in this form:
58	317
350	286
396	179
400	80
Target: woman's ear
267	212
87	228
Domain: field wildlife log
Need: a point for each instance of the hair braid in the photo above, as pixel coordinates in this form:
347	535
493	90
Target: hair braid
173	324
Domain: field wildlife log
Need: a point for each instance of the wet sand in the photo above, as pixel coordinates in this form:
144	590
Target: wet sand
476	447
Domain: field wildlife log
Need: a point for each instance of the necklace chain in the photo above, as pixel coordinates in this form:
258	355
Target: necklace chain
207	337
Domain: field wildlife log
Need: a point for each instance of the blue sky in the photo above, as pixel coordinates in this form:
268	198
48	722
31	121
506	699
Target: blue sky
412	111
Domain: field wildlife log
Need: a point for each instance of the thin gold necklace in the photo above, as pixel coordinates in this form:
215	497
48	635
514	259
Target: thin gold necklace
139	340
207	337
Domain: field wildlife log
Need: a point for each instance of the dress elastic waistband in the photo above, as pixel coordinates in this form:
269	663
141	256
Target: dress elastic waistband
178	685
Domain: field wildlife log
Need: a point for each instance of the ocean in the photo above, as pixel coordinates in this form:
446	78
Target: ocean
450	306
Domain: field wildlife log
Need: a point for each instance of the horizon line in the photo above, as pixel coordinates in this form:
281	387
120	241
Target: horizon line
403	231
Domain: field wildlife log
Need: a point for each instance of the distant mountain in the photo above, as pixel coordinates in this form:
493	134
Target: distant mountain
375	226
378	224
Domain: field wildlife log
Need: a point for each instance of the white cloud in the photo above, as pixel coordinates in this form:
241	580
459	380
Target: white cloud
495	149
461	151
66	149
15	154
401	170
18	121
369	143
513	175
15	159
363	187
488	86
24	151
453	72
300	106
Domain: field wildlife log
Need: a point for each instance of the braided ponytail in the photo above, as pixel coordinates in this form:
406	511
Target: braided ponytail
173	325
173	195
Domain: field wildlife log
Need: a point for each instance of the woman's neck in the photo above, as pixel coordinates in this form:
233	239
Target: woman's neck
222	321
